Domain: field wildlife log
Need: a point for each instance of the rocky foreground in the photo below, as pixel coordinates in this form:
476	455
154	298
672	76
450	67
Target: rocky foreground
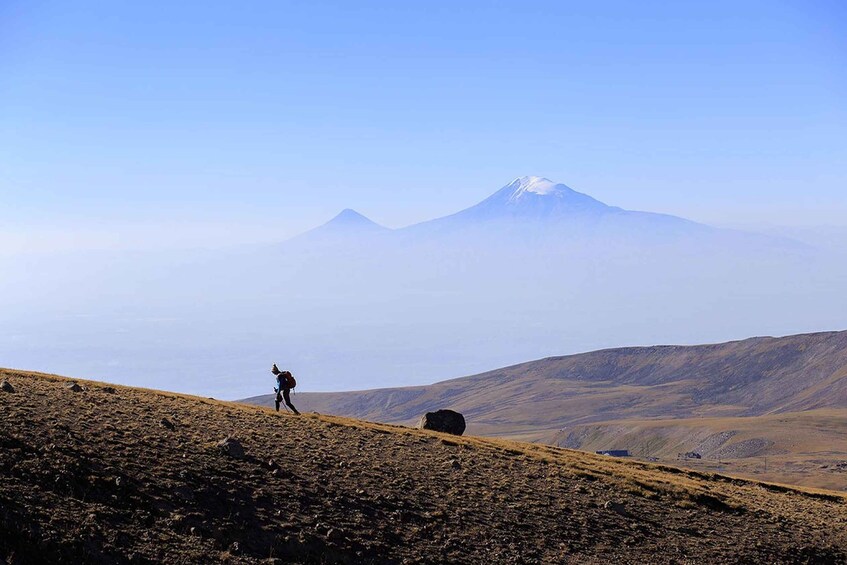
101	474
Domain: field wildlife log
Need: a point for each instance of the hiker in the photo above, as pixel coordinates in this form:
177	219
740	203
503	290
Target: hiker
284	383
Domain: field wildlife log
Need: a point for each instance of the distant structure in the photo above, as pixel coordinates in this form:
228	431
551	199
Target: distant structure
614	452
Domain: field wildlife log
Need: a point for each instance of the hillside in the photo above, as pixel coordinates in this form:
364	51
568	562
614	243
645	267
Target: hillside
742	378
721	387
115	474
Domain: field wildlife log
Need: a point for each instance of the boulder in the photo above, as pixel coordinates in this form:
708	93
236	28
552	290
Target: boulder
616	507
73	387
232	447
6	386
447	421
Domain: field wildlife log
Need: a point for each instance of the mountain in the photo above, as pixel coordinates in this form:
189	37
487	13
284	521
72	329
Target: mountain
348	224
112	474
535	198
715	383
535	207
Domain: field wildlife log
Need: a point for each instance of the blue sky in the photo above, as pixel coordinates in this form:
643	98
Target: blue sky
260	119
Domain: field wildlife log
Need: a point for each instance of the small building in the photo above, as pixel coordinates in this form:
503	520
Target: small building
614	452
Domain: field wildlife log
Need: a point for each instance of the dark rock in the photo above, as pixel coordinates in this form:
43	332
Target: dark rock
616	507
232	447
109	390
446	421
335	535
165	423
73	387
6	386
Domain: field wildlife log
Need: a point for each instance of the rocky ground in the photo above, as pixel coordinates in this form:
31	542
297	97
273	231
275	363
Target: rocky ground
104	474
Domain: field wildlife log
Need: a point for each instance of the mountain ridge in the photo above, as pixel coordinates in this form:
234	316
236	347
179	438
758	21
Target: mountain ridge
762	350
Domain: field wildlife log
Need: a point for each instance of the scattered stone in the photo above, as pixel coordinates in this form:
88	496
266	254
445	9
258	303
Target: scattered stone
6	386
335	535
109	389
234	548
616	507
73	387
231	447
454	463
446	421
272	465
165	423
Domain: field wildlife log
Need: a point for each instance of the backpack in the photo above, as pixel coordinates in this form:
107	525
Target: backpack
290	382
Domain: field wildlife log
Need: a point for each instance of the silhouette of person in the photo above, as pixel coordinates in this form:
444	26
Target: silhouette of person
283	388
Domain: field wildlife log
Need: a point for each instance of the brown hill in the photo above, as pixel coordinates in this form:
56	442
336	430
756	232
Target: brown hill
585	401
115	474
741	378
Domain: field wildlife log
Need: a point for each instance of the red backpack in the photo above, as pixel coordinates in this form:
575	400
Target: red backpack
290	382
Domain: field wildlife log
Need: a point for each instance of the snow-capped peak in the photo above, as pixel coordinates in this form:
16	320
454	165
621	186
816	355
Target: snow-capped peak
533	185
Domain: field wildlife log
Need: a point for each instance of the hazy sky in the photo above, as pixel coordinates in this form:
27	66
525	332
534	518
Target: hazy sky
235	121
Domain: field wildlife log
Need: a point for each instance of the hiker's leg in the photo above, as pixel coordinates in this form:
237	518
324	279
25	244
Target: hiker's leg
286	394
277	401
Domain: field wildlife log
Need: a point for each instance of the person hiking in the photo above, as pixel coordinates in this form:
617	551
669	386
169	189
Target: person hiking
284	383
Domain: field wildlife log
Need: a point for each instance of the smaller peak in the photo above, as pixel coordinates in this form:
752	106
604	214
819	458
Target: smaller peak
351	219
348	214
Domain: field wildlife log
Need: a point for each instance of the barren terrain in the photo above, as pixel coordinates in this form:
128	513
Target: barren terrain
115	474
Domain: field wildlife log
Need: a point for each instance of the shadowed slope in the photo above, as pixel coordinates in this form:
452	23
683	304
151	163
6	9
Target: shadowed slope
131	474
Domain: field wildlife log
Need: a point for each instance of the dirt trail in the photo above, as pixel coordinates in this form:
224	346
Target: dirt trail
130	475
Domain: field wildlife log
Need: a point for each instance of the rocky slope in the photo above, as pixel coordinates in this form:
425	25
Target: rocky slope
114	474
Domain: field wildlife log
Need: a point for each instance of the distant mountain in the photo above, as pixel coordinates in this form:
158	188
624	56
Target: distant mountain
536	206
533	206
347	224
534	198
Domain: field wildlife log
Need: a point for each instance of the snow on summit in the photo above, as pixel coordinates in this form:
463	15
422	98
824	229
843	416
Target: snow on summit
534	185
